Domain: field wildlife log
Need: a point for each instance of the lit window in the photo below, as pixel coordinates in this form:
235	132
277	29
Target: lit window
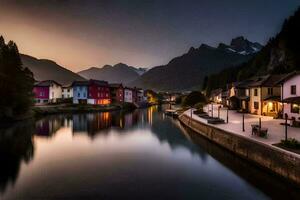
295	108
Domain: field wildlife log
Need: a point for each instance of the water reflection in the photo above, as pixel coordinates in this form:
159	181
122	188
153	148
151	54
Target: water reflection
16	146
143	154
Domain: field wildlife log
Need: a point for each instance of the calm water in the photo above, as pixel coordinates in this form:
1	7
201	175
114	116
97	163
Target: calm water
141	155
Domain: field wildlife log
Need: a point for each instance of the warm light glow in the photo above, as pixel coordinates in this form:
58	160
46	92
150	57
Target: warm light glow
103	101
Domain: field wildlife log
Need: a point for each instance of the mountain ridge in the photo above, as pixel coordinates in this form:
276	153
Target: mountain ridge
201	61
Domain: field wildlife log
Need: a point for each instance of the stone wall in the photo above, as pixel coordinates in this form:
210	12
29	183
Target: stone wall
279	161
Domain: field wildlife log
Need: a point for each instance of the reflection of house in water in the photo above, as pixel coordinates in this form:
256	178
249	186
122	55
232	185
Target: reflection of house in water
92	123
48	126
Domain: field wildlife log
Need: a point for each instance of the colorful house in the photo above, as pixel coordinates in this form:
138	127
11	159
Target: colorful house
47	91
80	92
117	92
291	95
98	92
265	95
128	95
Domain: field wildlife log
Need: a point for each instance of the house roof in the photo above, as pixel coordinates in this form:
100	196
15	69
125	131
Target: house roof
292	100
264	81
288	76
46	83
99	82
115	85
80	83
216	92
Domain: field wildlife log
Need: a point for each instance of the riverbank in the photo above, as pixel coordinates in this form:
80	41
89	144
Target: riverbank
76	108
282	163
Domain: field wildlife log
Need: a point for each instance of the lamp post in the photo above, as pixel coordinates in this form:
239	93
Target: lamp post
243	122
259	123
219	111
227	116
286	125
212	110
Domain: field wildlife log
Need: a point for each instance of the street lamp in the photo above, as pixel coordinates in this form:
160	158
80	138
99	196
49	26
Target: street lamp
243	122
286	125
227	116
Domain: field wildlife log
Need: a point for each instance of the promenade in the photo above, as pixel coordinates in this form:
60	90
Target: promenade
276	132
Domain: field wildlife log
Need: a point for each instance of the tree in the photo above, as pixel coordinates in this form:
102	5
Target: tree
16	82
194	98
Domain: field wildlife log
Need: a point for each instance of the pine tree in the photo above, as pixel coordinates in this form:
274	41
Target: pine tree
16	82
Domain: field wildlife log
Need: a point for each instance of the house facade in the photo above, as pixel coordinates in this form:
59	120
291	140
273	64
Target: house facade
98	93
80	92
67	92
117	92
265	96
291	95
128	95
216	95
47	91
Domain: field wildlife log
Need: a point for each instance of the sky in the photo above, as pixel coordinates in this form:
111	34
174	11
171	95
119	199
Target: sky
79	34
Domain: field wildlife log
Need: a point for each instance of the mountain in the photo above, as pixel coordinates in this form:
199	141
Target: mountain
280	55
49	70
242	46
119	73
187	72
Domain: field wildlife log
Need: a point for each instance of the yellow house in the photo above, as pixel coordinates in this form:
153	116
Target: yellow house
265	95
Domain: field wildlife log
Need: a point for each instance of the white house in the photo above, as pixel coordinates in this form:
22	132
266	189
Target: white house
291	95
67	92
128	95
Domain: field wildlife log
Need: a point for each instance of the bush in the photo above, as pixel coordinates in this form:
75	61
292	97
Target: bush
193	98
291	143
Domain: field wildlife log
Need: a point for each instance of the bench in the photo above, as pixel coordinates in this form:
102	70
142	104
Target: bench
261	132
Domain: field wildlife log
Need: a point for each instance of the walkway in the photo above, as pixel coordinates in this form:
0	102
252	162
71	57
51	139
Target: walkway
276	132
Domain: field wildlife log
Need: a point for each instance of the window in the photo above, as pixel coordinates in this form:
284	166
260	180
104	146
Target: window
270	91
256	105
293	89
68	90
295	108
63	96
255	92
78	94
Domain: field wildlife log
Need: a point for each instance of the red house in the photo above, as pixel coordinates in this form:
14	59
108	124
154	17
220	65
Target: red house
98	92
117	92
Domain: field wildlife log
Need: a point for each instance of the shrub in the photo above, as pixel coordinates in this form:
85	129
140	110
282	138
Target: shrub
291	143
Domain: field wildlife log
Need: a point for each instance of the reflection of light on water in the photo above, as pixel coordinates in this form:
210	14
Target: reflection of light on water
150	114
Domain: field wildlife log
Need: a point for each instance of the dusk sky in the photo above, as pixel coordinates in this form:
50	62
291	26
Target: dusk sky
145	33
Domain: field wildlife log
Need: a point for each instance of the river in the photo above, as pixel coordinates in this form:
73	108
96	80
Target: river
112	155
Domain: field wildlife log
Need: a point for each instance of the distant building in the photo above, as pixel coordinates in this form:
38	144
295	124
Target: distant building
67	92
216	95
117	92
98	92
47	91
128	95
80	92
291	95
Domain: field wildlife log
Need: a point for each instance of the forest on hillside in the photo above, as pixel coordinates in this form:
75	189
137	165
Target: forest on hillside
280	55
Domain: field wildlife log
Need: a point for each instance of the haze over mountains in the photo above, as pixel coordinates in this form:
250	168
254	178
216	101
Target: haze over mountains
119	73
185	72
